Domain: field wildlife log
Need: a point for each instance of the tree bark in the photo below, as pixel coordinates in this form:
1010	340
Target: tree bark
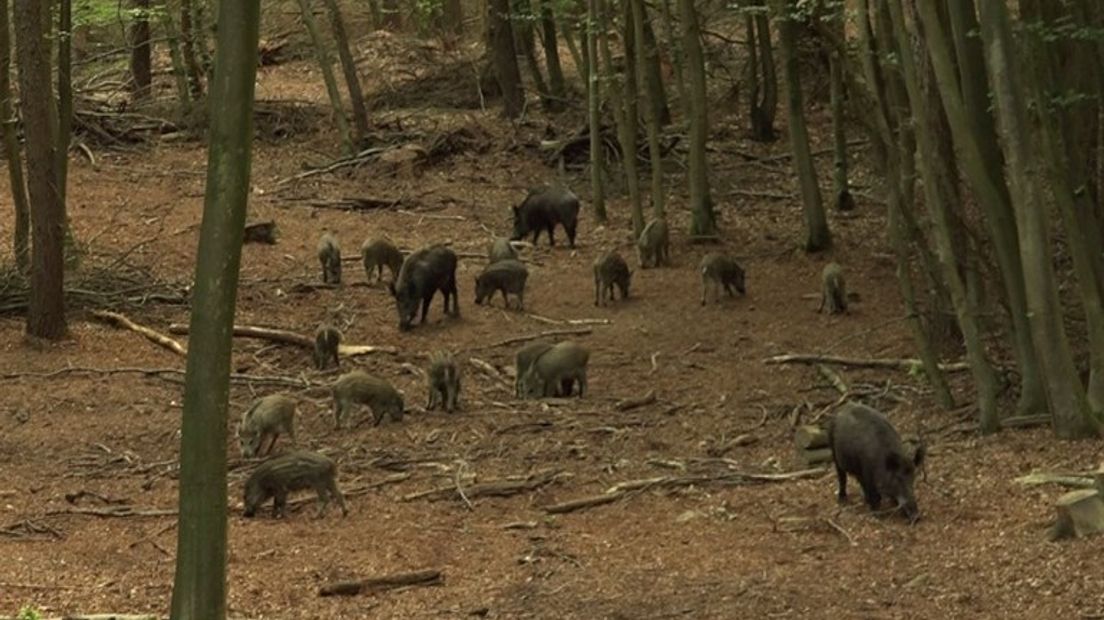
21	235
623	102
326	65
594	118
703	222
521	20
840	185
199	588
46	307
179	67
392	15
678	58
65	96
645	50
1072	416
763	98
818	237
653	74
141	64
504	57
556	85
348	67
191	37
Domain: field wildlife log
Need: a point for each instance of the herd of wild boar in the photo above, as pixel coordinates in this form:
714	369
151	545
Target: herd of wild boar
863	442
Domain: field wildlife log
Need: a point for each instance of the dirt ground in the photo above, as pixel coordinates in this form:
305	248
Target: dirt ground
707	550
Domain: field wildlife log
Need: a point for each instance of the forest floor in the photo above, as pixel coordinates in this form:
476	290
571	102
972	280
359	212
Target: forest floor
716	548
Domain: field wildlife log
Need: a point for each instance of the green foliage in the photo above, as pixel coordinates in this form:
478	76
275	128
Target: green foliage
28	613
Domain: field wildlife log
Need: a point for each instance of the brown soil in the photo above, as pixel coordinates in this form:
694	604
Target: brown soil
704	551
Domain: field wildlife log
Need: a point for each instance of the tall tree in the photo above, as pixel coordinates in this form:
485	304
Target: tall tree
191	36
594	118
521	21
21	236
504	57
141	63
1069	407
644	49
702	220
46	307
763	81
556	85
65	95
348	67
322	53
818	237
199	589
844	200
622	97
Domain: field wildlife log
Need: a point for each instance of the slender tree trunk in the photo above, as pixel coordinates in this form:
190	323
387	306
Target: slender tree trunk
504	57
597	161
392	15
65	96
678	58
763	99
653	74
348	67
179	67
578	57
816	221
46	307
453	14
326	64
141	65
703	222
199	589
557	86
22	231
1072	416
644	50
844	200
191	37
623	101
973	130
522	23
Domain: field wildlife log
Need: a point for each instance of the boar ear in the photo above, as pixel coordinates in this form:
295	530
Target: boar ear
893	461
919	455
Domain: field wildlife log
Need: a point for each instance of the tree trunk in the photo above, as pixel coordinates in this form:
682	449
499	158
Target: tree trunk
645	50
505	57
348	67
179	67
46	307
557	86
392	15
22	230
623	102
653	74
1072	416
199	588
141	65
453	14
763	97
191	37
967	104
65	96
816	222
840	185
524	41
594	118
703	222
678	58
326	65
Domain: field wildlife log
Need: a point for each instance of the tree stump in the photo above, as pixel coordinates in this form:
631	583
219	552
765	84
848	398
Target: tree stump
1080	514
809	437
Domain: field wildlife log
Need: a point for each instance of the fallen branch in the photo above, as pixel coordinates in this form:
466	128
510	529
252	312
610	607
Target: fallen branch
495	488
114	511
289	337
1026	421
548	334
633	403
906	364
833	377
428	577
1066	480
118	320
552	321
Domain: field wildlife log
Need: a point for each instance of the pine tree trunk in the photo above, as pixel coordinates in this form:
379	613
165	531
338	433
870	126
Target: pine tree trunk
326	65
1065	394
21	235
348	67
818	237
655	154
504	57
597	160
46	308
557	86
703	222
200	584
141	64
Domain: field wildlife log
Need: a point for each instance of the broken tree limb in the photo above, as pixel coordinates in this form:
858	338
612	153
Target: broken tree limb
906	364
547	334
736	442
118	320
833	377
809	436
1080	513
284	336
427	577
1066	480
494	488
633	403
1026	421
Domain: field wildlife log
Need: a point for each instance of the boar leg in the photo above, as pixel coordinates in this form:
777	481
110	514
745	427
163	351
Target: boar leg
841	476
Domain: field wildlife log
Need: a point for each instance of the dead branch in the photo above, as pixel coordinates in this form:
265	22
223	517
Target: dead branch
495	488
114	511
633	403
552	321
427	577
736	442
906	364
833	377
582	503
548	334
289	337
118	320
